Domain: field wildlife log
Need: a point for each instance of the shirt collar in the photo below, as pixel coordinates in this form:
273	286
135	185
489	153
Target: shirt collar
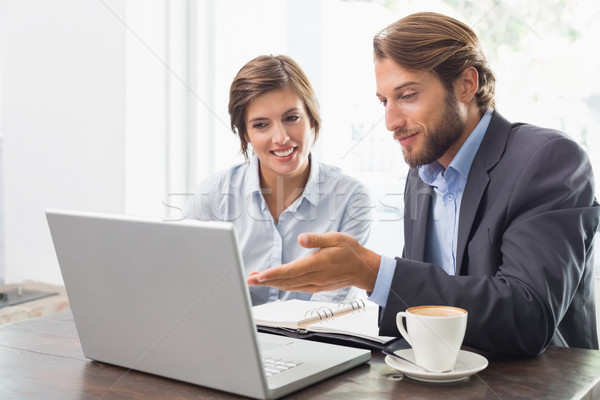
312	189
252	180
466	154
463	160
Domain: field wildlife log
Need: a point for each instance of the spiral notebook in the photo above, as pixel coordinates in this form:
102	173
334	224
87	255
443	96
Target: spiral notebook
350	322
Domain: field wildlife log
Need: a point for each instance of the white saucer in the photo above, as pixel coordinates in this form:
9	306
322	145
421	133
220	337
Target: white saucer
467	364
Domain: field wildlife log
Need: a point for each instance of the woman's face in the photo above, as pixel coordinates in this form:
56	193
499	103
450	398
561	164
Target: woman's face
279	128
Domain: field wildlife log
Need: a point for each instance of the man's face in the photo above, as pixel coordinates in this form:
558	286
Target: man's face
425	118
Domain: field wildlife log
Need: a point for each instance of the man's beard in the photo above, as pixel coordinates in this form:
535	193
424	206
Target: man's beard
443	135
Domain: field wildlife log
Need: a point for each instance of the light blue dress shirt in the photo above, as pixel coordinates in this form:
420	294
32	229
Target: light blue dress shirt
442	226
331	201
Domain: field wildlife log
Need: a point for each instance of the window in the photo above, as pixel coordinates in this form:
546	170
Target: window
542	55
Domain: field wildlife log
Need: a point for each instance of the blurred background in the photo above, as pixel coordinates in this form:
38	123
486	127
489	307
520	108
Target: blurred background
121	106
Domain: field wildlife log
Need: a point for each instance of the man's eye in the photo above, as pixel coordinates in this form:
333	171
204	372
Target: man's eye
383	102
408	96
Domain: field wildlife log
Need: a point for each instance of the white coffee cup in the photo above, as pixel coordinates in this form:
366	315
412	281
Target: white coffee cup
435	334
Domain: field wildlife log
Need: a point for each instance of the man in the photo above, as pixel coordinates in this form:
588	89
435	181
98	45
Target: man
499	217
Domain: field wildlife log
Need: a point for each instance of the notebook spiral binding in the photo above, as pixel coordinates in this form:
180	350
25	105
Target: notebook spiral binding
345	307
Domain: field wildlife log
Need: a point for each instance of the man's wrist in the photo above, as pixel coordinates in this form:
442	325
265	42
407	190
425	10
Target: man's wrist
372	262
385	273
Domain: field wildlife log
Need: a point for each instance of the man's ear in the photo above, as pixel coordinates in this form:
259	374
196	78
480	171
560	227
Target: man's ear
466	85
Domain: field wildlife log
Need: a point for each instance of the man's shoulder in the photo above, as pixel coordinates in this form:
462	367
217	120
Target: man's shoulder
525	136
535	137
523	130
528	145
539	132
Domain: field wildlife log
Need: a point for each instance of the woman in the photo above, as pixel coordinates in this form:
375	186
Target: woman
281	190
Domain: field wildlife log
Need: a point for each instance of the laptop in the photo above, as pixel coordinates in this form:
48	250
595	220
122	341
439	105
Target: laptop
170	298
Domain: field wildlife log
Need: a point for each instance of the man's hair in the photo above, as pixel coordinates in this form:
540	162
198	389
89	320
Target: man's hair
439	44
264	74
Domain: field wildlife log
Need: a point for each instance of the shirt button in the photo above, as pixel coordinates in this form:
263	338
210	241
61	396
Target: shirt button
450	197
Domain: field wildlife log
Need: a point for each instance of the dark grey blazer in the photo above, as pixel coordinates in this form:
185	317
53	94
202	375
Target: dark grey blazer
526	229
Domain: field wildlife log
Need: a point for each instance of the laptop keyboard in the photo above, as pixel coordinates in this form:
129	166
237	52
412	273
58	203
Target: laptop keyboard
274	366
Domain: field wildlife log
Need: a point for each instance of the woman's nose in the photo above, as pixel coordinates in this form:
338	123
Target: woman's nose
280	135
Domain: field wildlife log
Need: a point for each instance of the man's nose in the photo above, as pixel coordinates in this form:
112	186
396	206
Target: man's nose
394	117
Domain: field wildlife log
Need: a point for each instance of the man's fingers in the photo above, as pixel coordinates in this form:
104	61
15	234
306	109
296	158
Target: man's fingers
296	272
269	276
297	285
282	272
318	240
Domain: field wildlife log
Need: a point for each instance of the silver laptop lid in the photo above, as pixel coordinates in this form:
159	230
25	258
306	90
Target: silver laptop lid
168	298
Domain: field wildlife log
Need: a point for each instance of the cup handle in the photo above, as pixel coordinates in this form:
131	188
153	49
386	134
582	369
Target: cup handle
399	317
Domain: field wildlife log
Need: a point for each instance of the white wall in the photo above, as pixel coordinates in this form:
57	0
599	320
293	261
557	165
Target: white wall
147	70
62	66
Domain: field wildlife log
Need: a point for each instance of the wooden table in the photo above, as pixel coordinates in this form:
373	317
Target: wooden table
41	358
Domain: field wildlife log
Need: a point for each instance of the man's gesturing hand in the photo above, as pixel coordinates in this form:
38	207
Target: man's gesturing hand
340	261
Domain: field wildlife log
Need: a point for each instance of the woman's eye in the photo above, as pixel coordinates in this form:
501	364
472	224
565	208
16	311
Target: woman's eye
259	125
292	118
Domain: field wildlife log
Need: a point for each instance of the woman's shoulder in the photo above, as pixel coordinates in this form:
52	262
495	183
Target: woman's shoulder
230	177
334	176
219	193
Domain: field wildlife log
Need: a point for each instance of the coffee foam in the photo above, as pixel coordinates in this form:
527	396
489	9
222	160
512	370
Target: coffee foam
436	311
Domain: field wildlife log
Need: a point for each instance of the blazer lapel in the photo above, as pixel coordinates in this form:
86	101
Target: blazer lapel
489	153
